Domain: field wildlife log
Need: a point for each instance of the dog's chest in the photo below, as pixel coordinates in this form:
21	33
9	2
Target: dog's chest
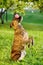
21	34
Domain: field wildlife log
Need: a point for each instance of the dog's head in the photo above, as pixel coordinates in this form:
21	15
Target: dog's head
16	20
17	17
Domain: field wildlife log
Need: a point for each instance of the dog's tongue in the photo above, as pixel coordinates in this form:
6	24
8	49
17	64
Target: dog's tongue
16	16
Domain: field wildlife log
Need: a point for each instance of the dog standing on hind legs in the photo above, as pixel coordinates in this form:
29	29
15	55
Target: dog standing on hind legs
20	40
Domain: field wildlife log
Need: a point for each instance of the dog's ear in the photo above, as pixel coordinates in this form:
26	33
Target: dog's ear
19	19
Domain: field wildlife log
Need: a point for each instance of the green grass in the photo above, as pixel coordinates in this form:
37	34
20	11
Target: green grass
34	54
36	17
33	23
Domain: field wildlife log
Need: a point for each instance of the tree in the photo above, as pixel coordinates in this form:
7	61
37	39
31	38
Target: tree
39	4
4	4
17	4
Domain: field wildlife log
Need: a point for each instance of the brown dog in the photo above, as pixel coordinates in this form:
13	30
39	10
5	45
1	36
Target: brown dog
20	39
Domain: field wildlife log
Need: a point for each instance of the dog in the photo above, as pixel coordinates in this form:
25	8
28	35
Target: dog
21	39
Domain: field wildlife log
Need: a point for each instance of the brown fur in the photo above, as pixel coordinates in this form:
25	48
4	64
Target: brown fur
19	43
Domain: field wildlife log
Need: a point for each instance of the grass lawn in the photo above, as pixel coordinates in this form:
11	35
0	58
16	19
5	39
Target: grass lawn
34	54
29	17
35	17
33	23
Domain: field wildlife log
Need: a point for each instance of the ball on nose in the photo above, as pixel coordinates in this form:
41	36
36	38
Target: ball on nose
16	16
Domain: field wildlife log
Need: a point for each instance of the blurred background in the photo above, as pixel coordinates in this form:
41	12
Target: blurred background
32	13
